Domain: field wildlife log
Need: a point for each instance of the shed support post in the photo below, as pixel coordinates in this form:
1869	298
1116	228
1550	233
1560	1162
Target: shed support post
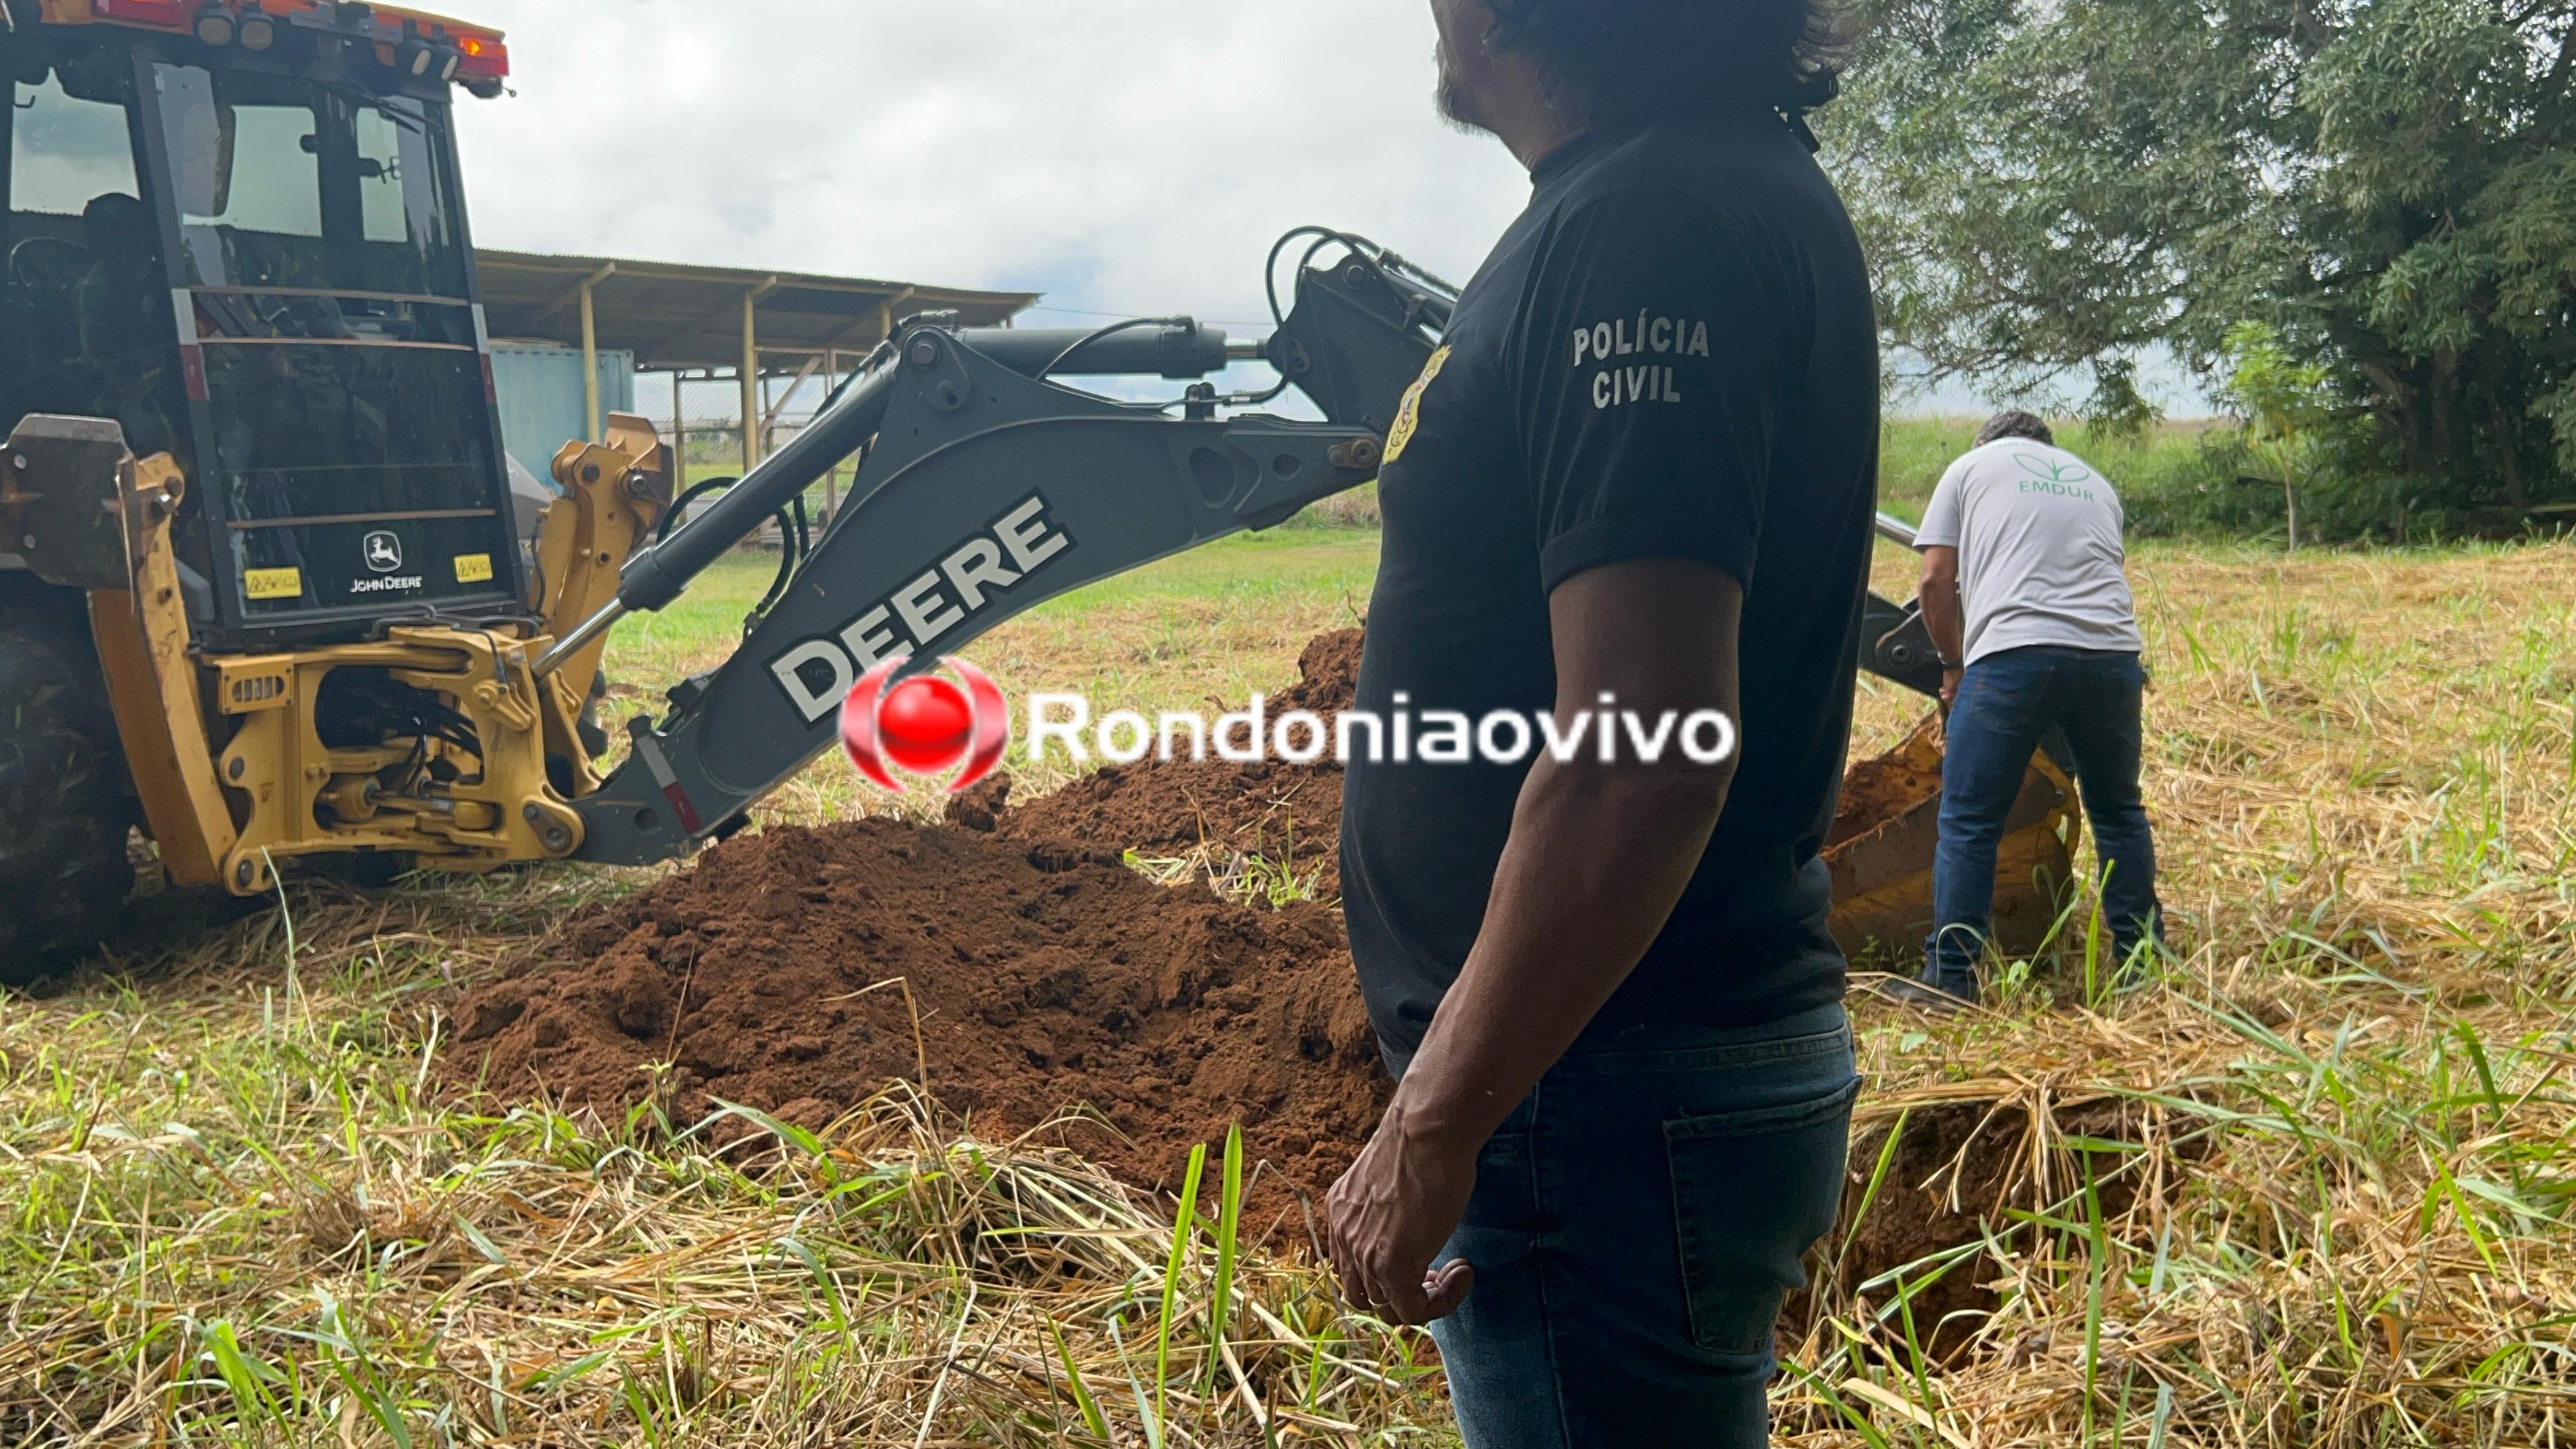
832	479
589	367
750	381
679	436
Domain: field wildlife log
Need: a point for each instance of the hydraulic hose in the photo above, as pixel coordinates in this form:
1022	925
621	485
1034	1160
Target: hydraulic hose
655	576
657	573
795	540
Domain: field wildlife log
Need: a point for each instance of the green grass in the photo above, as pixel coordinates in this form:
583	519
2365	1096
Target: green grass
2311	1187
1915	452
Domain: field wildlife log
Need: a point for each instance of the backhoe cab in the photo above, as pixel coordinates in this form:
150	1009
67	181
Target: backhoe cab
262	587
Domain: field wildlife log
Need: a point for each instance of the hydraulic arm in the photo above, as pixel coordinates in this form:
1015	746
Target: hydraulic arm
985	489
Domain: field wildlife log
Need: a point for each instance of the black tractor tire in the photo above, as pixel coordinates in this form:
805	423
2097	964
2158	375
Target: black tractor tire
66	804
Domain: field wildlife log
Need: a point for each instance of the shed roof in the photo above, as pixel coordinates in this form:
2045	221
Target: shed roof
676	315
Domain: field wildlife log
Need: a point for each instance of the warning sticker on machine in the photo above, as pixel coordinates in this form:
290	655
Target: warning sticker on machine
474	568
273	583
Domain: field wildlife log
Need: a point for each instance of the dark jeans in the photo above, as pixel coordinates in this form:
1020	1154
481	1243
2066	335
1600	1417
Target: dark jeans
1634	1227
2007	702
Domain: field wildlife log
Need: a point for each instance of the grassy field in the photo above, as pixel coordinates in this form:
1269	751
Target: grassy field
2310	1186
1917	451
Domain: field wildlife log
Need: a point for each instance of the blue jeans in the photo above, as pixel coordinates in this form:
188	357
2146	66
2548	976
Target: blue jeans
2007	703
1634	1228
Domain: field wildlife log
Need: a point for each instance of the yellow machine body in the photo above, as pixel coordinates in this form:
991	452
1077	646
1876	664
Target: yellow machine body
226	751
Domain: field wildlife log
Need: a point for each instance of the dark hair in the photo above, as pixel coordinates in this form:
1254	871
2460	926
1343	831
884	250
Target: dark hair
2015	424
1665	56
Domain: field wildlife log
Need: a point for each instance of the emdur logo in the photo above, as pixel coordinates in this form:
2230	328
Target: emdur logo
2047	475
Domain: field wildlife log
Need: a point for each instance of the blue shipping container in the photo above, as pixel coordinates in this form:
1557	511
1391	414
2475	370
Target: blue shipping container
541	398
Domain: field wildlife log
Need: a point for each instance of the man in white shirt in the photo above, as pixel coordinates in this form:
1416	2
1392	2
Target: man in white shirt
2025	595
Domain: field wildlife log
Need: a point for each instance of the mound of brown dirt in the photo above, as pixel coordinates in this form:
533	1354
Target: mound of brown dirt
782	973
775	975
1883	787
1287	815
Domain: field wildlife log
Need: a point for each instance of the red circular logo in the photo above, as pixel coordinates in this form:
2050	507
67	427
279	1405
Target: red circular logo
925	724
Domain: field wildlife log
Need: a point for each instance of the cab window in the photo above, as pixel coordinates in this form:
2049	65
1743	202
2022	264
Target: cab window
86	329
66	151
294	185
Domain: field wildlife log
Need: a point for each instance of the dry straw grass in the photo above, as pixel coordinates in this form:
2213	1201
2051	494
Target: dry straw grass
263	1228
2308	1187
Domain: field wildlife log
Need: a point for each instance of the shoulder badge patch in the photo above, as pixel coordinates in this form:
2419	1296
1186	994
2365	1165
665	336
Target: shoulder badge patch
1408	417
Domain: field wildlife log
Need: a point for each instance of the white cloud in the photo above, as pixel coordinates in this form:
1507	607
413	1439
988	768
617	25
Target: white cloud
1120	155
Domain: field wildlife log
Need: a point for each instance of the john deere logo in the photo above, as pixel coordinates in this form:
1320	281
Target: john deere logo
384	552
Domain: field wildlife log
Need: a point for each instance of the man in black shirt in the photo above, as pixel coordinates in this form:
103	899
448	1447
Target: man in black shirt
1642	469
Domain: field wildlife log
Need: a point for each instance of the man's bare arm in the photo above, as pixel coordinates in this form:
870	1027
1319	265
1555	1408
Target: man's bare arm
1598	856
1944	618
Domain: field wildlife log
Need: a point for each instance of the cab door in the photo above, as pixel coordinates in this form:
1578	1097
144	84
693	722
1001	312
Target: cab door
348	443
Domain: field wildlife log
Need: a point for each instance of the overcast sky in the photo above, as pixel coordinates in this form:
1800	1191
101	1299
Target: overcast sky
1122	156
1118	155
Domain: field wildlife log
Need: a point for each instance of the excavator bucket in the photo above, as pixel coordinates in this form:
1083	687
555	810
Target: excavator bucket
1880	852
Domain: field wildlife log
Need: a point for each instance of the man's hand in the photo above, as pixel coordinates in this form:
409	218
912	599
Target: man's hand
1598	854
1944	618
1388	1217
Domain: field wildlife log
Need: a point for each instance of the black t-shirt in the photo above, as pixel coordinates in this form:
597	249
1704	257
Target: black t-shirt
1671	354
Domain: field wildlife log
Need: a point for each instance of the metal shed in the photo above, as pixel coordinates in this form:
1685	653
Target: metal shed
701	321
543	399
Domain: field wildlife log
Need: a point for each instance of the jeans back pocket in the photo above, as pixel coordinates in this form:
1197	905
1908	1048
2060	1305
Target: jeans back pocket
1752	1191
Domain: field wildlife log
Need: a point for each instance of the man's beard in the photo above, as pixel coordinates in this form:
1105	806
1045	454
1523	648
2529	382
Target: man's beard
1450	96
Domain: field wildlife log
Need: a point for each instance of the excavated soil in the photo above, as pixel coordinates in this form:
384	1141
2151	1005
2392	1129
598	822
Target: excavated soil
1959	1171
1048	977
1882	787
782	973
1286	815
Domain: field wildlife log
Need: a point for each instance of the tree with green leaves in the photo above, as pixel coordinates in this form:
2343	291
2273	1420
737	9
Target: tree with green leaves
2388	186
2287	405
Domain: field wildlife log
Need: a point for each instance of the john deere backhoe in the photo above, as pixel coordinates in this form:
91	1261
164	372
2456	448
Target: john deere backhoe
264	598
260	578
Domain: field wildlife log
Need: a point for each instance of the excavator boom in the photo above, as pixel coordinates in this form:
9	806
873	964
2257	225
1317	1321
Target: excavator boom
986	493
986	489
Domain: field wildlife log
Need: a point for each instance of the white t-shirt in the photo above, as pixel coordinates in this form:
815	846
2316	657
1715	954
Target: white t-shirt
2040	556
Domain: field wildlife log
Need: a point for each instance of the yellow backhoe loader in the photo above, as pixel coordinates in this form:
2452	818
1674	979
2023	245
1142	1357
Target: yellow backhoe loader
262	593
